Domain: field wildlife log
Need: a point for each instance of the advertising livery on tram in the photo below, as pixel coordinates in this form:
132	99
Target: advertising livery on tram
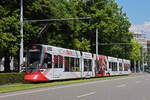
46	63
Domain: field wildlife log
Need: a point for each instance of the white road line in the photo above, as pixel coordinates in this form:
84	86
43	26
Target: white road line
80	96
137	81
59	87
122	85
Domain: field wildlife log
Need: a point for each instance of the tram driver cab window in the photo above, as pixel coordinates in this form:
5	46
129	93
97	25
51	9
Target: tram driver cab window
47	61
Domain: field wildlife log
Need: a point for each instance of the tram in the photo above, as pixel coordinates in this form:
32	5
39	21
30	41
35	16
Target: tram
46	63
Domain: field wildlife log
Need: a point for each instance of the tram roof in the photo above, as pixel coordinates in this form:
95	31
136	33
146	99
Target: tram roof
62	51
126	61
113	59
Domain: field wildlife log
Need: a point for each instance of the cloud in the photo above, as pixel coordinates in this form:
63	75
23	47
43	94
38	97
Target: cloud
143	28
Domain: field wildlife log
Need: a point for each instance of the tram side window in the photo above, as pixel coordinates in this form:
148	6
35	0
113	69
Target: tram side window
72	64
90	65
55	61
87	65
67	64
120	66
114	66
47	61
58	61
125	67
110	65
77	64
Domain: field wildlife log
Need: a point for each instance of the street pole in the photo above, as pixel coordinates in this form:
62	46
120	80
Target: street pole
142	60
21	31
96	42
134	66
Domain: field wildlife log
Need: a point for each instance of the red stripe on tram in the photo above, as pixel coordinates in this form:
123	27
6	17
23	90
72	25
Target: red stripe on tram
42	61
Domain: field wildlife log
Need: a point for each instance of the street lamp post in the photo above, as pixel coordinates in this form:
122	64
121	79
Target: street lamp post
96	42
21	31
142	59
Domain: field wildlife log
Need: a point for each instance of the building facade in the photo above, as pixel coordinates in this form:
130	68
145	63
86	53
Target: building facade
141	38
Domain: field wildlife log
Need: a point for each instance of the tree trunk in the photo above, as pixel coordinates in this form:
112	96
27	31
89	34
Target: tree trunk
139	66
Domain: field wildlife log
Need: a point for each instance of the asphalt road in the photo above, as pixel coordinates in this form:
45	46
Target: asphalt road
131	88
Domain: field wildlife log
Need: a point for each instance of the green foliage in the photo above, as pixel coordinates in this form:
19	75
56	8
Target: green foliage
9	34
136	50
9	78
82	46
112	24
30	34
145	54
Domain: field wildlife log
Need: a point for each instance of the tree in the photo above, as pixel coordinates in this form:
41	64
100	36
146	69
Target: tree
84	45
135	54
112	24
136	50
10	31
9	38
105	15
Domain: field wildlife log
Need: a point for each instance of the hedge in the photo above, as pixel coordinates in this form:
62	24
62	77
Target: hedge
9	78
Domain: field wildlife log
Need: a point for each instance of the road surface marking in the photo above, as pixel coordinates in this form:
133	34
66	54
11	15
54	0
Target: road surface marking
122	85
60	87
137	81
80	96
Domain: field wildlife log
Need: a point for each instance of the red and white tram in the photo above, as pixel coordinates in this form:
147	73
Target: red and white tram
46	63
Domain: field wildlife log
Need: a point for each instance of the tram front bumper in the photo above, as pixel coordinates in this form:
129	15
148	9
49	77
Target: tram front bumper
35	78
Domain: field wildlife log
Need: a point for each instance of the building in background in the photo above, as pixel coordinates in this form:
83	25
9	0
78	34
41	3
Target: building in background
141	37
148	52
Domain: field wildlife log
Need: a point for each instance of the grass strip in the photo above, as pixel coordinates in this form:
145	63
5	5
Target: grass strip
25	86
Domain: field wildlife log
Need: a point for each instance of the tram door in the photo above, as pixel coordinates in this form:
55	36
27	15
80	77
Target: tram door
57	66
47	65
100	66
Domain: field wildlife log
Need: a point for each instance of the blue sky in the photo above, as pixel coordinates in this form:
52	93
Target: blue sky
138	12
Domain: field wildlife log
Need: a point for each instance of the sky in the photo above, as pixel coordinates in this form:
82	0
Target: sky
138	12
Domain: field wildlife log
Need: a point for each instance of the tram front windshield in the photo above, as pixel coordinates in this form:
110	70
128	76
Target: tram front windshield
33	60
